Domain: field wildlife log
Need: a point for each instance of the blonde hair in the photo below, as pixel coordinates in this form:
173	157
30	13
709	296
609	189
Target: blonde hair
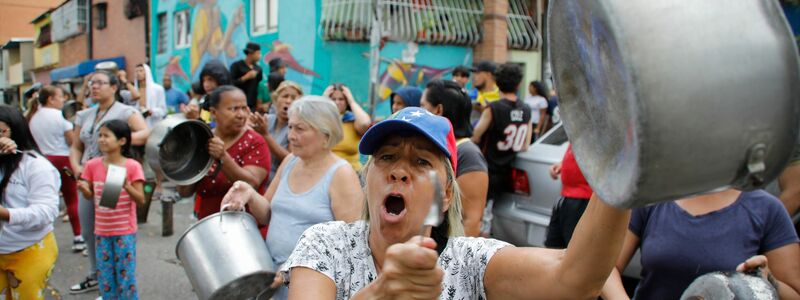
456	227
285	85
322	114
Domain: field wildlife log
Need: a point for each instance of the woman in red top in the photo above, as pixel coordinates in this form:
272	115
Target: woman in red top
241	153
575	194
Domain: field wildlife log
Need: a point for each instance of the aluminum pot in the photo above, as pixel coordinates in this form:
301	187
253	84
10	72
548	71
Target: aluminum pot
178	148
225	257
666	99
70	109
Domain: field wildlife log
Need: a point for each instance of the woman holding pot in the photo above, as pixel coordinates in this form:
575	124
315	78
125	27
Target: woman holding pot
241	154
312	185
28	207
355	121
384	256
105	92
687	238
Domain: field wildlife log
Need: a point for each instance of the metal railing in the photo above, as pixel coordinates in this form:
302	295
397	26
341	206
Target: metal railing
522	31
455	22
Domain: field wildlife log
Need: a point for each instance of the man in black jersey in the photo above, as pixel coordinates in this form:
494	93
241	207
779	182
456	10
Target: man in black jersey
504	128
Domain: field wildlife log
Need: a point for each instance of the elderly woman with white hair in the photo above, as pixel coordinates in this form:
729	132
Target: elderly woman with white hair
312	185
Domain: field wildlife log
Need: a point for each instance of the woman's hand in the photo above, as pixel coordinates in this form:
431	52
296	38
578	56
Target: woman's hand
85	189
277	282
328	91
237	196
259	123
410	271
349	96
555	170
7	145
755	262
216	148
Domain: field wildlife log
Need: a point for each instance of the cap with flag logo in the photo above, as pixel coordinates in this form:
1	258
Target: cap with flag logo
409	121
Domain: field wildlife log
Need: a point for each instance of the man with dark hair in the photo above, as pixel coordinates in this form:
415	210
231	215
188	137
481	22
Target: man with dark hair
175	98
247	74
485	81
504	128
461	76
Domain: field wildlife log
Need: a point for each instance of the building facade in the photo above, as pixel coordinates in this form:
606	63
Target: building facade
326	41
91	32
17	63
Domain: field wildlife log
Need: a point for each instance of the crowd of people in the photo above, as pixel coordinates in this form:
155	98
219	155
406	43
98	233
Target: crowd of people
341	199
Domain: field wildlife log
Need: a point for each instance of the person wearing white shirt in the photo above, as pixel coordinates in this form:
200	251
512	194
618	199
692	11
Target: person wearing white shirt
537	100
53	134
152	99
28	207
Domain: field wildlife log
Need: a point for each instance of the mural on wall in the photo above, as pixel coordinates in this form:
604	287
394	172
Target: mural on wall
208	40
220	29
196	32
283	51
399	74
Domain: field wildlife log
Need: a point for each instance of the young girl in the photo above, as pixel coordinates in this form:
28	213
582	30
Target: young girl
115	229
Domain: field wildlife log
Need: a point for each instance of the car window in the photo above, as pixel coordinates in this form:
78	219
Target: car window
555	136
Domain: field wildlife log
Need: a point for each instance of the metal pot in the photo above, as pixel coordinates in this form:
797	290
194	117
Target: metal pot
665	99
225	257
70	109
178	148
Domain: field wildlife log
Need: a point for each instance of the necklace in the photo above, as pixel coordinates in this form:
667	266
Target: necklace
96	120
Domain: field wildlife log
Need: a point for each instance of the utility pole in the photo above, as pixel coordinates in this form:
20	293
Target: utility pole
374	57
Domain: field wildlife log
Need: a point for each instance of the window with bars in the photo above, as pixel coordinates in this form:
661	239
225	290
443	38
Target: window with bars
522	31
161	47
453	22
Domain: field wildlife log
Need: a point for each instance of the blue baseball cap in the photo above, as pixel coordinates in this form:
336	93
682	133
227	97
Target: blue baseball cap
412	120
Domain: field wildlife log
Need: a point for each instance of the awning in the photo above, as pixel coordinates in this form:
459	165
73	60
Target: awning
83	68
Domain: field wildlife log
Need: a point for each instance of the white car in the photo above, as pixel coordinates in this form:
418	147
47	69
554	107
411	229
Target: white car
521	217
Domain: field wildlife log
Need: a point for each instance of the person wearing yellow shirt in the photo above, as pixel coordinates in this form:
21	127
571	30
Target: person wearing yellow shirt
355	121
484	82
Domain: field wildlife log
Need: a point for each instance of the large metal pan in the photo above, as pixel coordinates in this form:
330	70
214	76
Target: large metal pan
225	257
178	148
665	99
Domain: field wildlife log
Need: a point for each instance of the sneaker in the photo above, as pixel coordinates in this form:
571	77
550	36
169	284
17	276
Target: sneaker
85	286
78	245
85	252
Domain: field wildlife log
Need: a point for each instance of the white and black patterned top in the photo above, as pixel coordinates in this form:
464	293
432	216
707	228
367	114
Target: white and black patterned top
341	252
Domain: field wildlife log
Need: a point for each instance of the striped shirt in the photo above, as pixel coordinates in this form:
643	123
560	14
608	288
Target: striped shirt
122	219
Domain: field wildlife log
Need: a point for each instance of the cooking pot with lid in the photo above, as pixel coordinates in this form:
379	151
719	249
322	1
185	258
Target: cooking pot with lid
178	148
666	99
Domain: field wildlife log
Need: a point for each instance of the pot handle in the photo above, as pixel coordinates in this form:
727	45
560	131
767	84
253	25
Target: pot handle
223	208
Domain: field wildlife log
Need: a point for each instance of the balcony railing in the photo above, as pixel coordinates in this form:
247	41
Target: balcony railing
453	22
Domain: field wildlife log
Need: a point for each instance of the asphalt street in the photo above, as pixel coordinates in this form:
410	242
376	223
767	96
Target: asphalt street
158	273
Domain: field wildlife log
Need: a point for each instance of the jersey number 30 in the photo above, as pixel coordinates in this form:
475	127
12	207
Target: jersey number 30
515	137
